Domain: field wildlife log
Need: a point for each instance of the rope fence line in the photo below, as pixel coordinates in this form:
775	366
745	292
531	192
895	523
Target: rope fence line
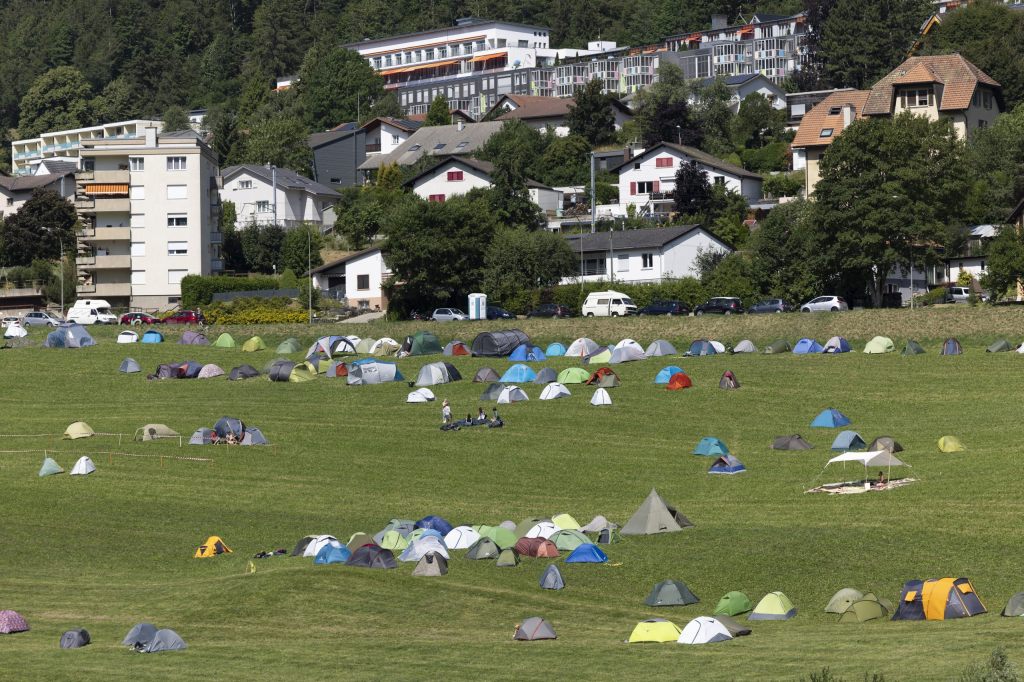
120	436
110	455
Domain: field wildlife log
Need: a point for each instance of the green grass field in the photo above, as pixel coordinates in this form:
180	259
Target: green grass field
106	551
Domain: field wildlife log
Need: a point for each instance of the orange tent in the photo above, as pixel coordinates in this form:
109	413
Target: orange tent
679	381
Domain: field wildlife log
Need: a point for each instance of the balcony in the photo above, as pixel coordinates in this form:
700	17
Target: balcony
111	290
373	148
216	237
103	205
120	177
104	262
216	265
105	234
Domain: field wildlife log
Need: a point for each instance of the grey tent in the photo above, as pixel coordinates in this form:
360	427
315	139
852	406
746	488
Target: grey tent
492	392
1000	346
507	559
546	376
140	635
74	639
728	380
671	593
202	436
912	348
151	432
484	548
243	372
552	578
68	335
1015	607
498	344
608	536
794	442
655	516
163	640
129	366
660	348
485	375
951	347
437	373
431	564
281	370
191	338
886	443
745	346
372	556
735	628
777	346
534	628
253	436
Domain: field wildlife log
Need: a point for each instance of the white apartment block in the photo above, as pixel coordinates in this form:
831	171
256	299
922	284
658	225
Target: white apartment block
265	195
66	144
149	206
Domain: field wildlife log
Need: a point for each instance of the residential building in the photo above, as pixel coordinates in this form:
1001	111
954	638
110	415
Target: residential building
65	145
356	278
458	175
277	196
542	113
460	139
647	180
972	256
384	135
819	127
149	206
648	256
15	191
799	103
337	155
742	86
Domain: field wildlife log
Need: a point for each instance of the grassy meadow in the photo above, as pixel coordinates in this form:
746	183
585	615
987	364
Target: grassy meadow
109	550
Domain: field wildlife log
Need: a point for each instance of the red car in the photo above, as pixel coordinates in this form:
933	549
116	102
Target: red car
185	317
138	318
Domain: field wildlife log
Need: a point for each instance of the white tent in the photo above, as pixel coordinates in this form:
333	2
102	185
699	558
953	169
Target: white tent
745	346
596	524
659	348
83	467
554	391
15	331
318	542
420	395
876	458
544	529
461	537
601	397
423	546
717	345
210	371
127	336
627	354
704	630
629	343
581	347
511	394
433	374
385	346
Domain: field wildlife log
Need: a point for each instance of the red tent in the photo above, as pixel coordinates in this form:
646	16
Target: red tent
679	381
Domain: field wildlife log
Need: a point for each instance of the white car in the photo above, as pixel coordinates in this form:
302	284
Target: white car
448	314
825	303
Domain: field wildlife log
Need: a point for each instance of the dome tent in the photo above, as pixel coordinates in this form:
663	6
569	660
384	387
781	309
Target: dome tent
660	348
848	440
498	344
126	336
582	347
654	630
879	344
666	373
551	579
225	340
11	622
733	604
129	366
83	467
671	593
533	629
710	446
704	630
554	350
773	606
554	391
526	352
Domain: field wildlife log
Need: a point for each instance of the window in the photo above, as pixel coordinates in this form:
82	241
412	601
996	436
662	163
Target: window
138	249
663	162
414	148
622	263
644	187
439	146
136	163
395	139
917	98
647	261
454	176
719	180
138	277
462	145
825	132
245	184
176	163
176	192
982	124
442	52
177	220
263	207
594	266
834	111
524	43
438	198
89	164
137	193
636	166
362	282
175	276
177	248
986	98
138	220
428	54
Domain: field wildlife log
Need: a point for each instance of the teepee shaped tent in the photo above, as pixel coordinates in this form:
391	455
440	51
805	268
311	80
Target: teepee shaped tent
601	397
49	468
552	578
212	547
655	516
431	565
534	628
83	467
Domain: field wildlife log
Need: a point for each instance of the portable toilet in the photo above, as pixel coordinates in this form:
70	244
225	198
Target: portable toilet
478	306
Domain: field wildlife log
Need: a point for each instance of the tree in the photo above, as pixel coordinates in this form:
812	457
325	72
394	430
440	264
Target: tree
280	36
757	122
438	114
515	136
590	115
662	112
365	212
889	187
786	254
176	118
713	116
279	141
385	107
117	102
59	99
692	193
566	161
1005	263
995	164
223	126
509	196
261	247
337	85
300	249
732	277
517	261
37	230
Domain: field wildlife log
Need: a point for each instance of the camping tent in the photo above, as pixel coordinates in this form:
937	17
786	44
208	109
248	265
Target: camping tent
288	370
551	579
885	443
372	556
704	630
50	467
225	340
848	440
253	344
420	343
492	392
950	444
437	373
129	366
501	536
191	338
391	539
726	464
484	548
702	347
212	547
728	380
601	397
507	558
127	336
879	344
777	346
83	467
671	593
733	604
709	446
863	610
1015	607
453	348
210	371
163	640
485	375
627	354
512	394
371	371
660	348
655	516
843	599
951	347
78	430
68	335
243	372
436	523
600	356
773	606
140	635
536	547
75	639
1000	346
364	346
568	539
745	346
656	630
332	554
830	418
385	346
554	350
837	344
806	346
498	344
526	352
461	537
289	345
604	377
794	442
422	546
912	348
735	628
554	391
420	395
431	565
582	347
543	528
518	374
666	373
587	554
679	381
938	599
628	343
573	375
152	336
331	346
311	545
533	629
546	376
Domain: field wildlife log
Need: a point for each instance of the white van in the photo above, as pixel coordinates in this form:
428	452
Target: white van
608	304
91	311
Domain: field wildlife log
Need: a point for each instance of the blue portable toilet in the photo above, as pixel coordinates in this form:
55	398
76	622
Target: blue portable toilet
524	352
518	374
329	554
555	350
848	440
726	464
830	418
663	375
587	554
805	346
710	447
152	336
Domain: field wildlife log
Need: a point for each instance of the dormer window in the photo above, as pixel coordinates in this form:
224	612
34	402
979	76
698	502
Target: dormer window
825	132
920	97
834	111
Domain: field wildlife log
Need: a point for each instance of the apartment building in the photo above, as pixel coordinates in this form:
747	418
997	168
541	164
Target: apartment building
149	206
66	144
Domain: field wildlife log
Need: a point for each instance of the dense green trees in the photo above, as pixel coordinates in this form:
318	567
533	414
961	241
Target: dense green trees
60	98
438	113
337	85
37	230
591	116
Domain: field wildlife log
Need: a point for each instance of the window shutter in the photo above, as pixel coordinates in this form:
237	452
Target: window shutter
632	188
656	186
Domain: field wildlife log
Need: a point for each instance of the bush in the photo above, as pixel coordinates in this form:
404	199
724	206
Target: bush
998	668
256	311
933	297
198	290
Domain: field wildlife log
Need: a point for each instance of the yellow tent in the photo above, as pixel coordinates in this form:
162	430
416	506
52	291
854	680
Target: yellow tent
212	547
950	444
254	344
565	522
656	630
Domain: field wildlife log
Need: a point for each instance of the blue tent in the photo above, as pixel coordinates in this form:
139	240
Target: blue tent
830	418
329	554
805	346
701	347
727	464
710	447
518	374
420	533
848	440
555	350
837	344
951	347
587	554
152	336
666	373
524	352
435	523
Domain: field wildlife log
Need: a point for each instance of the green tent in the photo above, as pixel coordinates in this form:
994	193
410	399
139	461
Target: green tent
289	345
733	604
773	606
502	537
886	604
422	343
225	340
912	348
484	548
1015	607
950	444
507	559
880	344
568	540
777	346
671	593
573	375
1000	346
600	357
842	600
365	346
254	344
394	541
49	468
863	611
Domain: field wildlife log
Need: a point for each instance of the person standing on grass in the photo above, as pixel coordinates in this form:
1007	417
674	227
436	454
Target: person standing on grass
446	412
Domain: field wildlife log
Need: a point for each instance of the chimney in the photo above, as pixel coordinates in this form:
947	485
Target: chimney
150	136
719	21
848	115
460	125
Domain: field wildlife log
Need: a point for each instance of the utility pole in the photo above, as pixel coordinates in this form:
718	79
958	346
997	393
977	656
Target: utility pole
273	183
309	268
593	193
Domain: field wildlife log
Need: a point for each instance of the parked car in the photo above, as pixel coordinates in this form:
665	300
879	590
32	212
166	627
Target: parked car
771	305
664	308
8	321
550	310
40	318
138	318
825	304
448	315
723	305
607	304
185	317
962	295
497	313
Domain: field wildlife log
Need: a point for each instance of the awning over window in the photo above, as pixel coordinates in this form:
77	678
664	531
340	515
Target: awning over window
488	57
419	67
98	189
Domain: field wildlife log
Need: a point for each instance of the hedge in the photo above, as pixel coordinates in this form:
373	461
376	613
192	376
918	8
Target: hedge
256	311
198	290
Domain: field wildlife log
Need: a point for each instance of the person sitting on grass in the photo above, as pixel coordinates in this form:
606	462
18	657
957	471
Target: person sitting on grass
882	480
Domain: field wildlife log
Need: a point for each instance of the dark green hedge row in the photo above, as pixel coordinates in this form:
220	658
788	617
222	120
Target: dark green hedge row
198	290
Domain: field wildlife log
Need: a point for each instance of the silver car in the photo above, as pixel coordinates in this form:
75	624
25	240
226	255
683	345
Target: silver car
825	303
448	314
41	318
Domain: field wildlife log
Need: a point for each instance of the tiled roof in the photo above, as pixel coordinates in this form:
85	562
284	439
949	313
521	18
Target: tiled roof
286	178
534	106
25	183
436	141
653	238
344	259
696	155
485	167
821	118
400	123
958	78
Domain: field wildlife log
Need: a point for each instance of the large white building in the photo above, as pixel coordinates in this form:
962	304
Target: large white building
265	195
149	206
67	144
357	278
